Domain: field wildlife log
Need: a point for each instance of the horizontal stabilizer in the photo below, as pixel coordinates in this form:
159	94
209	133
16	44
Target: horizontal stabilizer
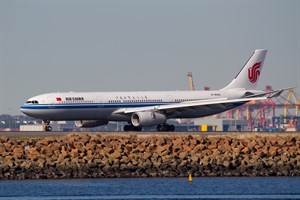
271	94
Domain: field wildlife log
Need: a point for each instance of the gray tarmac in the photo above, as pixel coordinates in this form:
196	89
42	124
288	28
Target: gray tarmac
32	134
42	134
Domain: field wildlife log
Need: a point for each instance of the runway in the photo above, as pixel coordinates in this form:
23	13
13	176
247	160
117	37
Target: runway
42	134
32	134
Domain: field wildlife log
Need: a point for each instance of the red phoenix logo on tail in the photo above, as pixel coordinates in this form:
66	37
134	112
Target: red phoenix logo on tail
253	72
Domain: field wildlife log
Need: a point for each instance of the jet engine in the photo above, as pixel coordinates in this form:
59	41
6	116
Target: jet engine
90	123
147	119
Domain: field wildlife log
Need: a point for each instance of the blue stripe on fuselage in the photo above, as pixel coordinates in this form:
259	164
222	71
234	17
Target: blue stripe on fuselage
94	105
97	105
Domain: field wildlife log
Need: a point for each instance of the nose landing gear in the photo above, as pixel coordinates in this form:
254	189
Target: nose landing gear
47	125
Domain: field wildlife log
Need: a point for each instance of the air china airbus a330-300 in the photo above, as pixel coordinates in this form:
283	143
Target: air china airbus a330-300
141	109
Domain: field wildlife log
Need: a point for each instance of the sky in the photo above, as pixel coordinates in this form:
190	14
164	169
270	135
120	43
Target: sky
88	45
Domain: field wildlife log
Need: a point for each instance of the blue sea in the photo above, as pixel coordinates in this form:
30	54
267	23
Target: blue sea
154	188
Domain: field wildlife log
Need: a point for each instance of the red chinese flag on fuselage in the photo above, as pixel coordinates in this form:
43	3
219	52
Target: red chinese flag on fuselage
58	99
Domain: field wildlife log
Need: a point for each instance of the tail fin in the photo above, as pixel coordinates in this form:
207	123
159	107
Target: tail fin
248	77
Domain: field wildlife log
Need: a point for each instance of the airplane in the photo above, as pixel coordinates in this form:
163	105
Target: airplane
149	108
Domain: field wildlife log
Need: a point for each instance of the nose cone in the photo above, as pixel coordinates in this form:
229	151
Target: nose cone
28	110
23	109
34	110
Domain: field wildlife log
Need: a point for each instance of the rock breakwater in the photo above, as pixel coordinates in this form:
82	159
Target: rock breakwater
151	155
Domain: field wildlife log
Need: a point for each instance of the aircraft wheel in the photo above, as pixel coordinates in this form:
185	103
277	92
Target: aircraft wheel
138	129
165	127
172	128
126	128
48	128
132	128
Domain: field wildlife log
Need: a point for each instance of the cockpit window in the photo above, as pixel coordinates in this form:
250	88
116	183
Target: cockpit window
32	102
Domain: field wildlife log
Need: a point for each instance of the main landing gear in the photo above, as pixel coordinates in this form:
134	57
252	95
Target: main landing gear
165	127
130	127
160	128
47	125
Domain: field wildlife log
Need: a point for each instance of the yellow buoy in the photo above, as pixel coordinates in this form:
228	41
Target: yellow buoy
190	178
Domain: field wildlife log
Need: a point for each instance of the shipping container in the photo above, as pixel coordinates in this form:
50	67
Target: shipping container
36	127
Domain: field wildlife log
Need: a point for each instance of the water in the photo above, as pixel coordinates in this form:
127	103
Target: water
154	188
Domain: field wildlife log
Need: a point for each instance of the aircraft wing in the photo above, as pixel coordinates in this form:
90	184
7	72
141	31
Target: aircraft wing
205	104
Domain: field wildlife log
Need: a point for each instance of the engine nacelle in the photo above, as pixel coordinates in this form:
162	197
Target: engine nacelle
90	123
147	119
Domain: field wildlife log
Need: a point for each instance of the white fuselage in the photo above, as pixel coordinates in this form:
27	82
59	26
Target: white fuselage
103	105
142	109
